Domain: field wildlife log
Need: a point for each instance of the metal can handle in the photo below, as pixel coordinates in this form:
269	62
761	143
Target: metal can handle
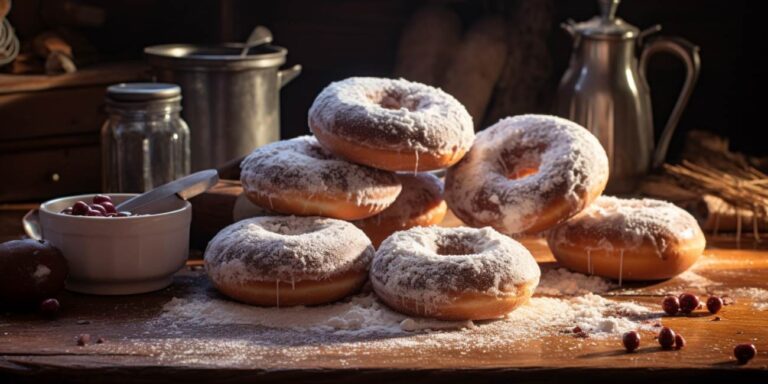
285	76
688	53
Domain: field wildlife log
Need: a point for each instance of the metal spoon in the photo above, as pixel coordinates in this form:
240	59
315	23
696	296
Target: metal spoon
184	188
260	35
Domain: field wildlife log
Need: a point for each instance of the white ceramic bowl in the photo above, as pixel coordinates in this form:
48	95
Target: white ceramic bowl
118	256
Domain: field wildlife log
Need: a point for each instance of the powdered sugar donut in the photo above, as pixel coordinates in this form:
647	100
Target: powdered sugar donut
300	177
527	173
629	239
419	204
288	260
453	273
390	124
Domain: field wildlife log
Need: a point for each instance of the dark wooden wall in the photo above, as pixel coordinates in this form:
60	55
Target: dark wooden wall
334	39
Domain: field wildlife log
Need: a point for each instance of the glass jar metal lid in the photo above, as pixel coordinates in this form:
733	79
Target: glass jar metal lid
143	92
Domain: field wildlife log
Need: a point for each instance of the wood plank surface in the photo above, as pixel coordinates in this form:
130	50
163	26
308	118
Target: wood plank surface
141	346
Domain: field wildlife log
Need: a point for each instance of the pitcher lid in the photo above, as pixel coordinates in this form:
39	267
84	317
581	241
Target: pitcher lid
606	25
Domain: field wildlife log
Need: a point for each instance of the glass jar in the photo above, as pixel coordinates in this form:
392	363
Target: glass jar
144	142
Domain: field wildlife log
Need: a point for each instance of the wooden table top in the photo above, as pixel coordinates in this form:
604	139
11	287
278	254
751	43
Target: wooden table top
141	346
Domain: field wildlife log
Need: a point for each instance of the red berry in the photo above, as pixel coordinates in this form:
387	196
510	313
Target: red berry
671	305
93	212
98	199
688	302
83	339
714	304
108	206
667	338
100	340
744	352
49	307
100	208
631	341
679	341
80	208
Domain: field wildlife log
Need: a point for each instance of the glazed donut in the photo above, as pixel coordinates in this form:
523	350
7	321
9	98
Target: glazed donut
288	260
300	177
453	273
396	125
527	173
628	239
420	204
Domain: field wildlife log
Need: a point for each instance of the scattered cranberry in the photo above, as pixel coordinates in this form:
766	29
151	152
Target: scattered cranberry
99	199
679	341
83	339
667	338
80	208
714	304
688	302
631	341
671	305
576	329
100	340
744	352
50	307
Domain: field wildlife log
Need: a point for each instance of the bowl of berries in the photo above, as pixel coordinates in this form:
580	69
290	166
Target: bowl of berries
115	253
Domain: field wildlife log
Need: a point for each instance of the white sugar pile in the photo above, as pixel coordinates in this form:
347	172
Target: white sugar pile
562	282
365	315
758	296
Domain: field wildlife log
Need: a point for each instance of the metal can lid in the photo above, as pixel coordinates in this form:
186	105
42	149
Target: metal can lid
138	92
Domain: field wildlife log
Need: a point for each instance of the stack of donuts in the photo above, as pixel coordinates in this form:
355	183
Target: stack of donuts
362	181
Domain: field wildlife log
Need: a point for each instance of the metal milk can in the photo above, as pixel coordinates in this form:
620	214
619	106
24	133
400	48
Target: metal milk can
231	102
605	90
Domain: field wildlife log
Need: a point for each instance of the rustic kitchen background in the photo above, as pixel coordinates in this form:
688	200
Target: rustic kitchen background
49	124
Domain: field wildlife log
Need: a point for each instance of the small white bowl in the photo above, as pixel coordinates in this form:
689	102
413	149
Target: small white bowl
118	255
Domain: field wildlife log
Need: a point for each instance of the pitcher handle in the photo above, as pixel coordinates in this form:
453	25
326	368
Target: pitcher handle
688	53
285	76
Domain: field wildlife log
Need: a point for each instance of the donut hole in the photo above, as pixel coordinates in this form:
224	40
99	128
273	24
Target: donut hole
521	162
389	99
453	246
284	229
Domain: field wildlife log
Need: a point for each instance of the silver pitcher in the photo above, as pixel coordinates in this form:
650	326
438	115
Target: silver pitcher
231	103
605	90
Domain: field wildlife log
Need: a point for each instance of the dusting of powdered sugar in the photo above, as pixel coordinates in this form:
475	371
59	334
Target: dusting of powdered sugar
41	273
363	316
393	114
429	264
286	248
614	223
301	166
569	161
420	192
562	282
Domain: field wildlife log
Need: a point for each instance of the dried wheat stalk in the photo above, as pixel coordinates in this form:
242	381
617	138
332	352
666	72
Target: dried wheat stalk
734	181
